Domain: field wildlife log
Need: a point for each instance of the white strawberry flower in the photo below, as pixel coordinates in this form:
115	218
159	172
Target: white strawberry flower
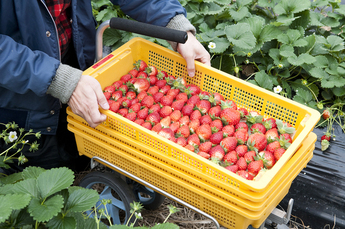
277	89
211	45
12	136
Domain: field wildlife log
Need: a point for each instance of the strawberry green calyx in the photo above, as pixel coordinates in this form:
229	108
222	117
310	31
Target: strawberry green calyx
252	119
283	128
324	144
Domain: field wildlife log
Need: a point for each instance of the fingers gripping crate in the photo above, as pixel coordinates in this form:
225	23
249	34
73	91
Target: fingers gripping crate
247	95
227	213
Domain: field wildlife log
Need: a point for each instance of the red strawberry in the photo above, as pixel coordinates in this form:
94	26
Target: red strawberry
278	153
135	101
175	115
195	115
131	115
241	150
181	141
177	105
215	111
190	147
230	157
147	125
193	89
107	95
166	133
141	95
254	167
241	136
125	78
132	81
135	107
155	108
187	110
286	137
230	116
156	128
241	163
229	144
203	106
245	174
232	168
206	119
143	113
268	159
258	127
151	71
217	137
123	88
165	89
116	95
194	125
139	121
165	122
326	114
183	131
140	65
117	84
131	95
204	154
243	112
271	147
173	92
126	102
133	73
216	125
174	126
162	75
157	97
166	100
204	132
270	123
217	152
229	130
326	136
165	111
123	112
153	118
161	83
152	90
257	141
193	100
115	106
193	140
141	85
184	120
142	75
182	96
228	104
109	89
272	134
242	125
249	156
205	146
147	101
153	80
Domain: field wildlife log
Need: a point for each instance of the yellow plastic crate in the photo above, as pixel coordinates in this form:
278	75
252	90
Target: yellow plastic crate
165	163
228	213
247	95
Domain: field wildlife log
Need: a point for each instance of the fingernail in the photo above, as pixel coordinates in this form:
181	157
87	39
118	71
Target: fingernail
105	106
191	74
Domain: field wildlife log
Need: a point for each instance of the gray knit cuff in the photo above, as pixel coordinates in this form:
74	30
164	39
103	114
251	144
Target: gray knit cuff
64	82
180	22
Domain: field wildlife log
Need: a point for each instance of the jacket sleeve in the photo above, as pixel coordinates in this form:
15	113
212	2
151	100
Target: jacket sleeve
23	70
156	12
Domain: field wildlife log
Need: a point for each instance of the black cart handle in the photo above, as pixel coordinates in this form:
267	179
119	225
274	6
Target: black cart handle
140	28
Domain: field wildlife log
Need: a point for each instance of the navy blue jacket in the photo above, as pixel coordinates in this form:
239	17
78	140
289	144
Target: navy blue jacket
30	54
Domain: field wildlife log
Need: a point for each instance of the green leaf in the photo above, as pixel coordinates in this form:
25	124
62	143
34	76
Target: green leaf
28	186
166	226
222	44
269	32
263	80
44	211
32	172
111	36
302	59
54	180
11	179
12	202
335	43
341	10
239	14
60	222
318	73
333	81
210	8
303	96
291	6
316	18
82	200
321	62
287	51
255	24
338	91
240	35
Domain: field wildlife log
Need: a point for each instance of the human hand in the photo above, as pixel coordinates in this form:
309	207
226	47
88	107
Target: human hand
85	100
193	50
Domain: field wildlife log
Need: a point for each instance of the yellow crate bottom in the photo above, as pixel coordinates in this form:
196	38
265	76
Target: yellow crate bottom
228	214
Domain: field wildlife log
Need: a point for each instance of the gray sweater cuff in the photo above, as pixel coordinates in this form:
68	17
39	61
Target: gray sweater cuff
64	82
180	22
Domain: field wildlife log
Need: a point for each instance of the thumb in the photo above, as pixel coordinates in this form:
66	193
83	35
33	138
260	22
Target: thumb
101	100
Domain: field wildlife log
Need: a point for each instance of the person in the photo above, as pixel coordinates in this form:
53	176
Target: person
44	47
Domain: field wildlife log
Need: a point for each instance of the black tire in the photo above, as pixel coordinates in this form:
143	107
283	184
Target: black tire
150	199
110	186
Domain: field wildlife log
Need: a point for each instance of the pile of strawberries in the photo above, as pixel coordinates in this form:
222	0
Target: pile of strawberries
205	123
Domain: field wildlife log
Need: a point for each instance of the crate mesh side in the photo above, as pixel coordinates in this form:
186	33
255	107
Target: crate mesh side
248	100
212	84
161	62
121	128
276	111
147	140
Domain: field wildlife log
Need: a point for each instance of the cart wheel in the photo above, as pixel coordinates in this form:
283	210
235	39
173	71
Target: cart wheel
150	199
110	186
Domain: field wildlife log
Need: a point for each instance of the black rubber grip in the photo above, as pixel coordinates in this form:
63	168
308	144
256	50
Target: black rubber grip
148	30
